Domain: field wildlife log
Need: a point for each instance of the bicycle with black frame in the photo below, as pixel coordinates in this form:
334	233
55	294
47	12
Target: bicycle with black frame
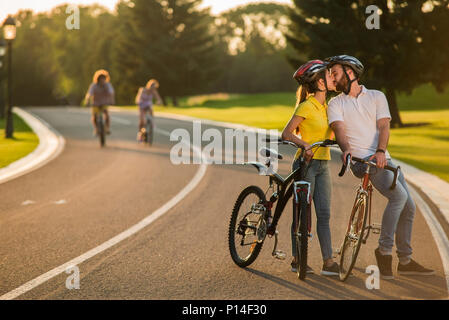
357	231
252	219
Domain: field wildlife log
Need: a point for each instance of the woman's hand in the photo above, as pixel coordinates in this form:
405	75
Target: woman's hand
308	152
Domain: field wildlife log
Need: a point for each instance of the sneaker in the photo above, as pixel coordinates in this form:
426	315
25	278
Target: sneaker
414	269
295	269
333	270
384	263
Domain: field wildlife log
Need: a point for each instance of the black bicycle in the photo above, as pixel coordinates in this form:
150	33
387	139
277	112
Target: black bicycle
98	112
148	130
252	219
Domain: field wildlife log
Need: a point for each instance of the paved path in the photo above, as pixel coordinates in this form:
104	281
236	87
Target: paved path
89	195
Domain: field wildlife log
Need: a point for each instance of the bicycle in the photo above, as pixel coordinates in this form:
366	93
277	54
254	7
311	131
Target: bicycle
248	230
357	231
98	113
147	132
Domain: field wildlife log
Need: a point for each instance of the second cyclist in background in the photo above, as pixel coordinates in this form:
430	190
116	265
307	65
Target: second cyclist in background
100	95
144	100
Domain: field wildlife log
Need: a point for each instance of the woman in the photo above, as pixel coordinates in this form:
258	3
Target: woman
144	100
310	121
100	95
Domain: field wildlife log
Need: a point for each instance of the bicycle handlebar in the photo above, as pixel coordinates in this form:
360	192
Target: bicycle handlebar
372	164
324	143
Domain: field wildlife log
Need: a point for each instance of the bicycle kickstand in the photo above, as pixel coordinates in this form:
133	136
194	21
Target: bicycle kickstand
278	254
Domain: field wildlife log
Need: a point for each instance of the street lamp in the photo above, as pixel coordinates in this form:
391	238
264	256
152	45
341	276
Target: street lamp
9	32
2	54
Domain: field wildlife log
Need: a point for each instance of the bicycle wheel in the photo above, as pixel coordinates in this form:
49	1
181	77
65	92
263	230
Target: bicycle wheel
353	238
248	226
302	234
149	131
100	129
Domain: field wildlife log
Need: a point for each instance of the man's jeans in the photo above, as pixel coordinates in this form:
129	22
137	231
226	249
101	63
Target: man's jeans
319	177
399	213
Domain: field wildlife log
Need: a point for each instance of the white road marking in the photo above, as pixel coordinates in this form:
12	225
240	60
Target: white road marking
60	202
28	202
117	239
437	231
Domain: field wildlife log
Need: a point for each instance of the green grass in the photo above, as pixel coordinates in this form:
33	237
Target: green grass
425	147
24	142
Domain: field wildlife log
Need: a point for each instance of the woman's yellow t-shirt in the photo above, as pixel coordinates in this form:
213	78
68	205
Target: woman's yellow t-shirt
314	127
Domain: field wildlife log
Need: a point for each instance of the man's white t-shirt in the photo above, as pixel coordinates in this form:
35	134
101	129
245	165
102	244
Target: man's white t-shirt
360	116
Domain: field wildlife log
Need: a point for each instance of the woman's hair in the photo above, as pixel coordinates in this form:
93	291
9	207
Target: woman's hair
307	89
151	82
101	73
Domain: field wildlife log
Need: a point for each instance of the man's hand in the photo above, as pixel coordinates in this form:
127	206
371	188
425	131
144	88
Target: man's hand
381	159
344	155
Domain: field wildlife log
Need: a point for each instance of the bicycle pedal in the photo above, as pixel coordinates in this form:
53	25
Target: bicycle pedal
280	255
375	227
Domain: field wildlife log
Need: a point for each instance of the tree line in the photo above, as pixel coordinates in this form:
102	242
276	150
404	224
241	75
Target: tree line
248	49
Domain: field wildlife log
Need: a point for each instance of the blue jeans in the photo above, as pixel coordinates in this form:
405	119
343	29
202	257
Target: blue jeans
398	215
319	177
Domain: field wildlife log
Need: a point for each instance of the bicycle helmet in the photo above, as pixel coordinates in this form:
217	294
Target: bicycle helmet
349	61
308	72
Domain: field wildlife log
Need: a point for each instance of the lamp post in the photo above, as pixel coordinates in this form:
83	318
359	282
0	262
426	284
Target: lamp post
9	31
2	54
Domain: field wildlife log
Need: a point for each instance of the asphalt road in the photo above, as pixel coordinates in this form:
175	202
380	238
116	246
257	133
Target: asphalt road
89	195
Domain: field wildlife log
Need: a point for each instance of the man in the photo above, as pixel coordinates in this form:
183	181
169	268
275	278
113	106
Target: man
360	119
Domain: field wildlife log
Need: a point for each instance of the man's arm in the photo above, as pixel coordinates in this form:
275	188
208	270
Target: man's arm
383	126
339	129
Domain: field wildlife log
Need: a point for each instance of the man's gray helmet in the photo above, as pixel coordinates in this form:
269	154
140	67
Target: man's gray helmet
349	61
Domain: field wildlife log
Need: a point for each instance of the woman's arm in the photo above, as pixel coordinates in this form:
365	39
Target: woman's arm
287	134
139	94
89	95
158	97
112	94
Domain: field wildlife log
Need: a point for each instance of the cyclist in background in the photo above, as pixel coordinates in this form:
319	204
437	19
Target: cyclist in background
360	118
99	96
144	100
310	120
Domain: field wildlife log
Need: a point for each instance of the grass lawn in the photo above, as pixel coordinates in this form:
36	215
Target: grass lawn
425	146
24	142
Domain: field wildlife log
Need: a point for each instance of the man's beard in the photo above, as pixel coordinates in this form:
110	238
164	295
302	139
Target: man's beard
342	84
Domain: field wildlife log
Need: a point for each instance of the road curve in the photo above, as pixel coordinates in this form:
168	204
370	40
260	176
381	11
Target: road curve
89	195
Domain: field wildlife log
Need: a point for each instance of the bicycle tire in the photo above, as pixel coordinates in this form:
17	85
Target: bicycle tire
238	226
353	240
149	132
100	129
302	236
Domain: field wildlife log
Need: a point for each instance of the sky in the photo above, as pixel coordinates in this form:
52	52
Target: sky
12	6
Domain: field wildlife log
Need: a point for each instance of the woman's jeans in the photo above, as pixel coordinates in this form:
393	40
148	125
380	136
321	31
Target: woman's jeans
319	178
399	213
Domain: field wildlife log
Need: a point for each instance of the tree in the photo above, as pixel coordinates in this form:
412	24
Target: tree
398	56
254	49
169	40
